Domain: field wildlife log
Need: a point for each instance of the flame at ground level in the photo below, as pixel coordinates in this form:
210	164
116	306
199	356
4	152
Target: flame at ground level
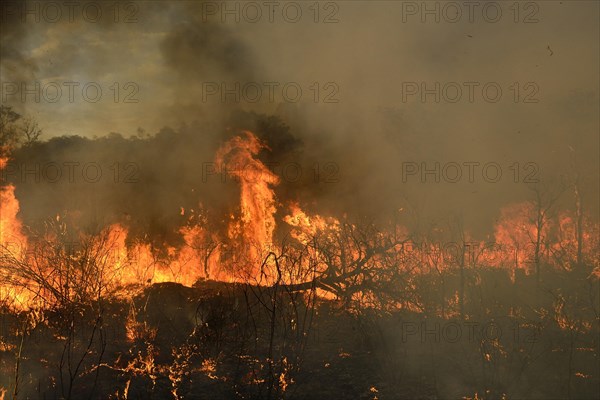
48	268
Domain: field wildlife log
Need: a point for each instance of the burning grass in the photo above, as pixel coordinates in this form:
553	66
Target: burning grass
301	306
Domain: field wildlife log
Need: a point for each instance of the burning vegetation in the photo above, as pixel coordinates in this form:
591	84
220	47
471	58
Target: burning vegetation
299	200
253	295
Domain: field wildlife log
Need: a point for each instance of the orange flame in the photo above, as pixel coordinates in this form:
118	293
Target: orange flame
241	255
253	230
11	228
13	242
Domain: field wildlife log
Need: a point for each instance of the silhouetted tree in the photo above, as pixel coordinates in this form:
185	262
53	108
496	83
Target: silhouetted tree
17	130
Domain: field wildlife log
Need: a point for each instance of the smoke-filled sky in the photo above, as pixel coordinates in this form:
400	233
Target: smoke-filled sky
367	72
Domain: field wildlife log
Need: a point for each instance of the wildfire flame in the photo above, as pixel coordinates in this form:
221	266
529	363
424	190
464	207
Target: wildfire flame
11	229
249	234
244	254
252	230
12	239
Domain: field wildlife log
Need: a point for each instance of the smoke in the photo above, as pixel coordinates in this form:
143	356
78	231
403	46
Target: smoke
358	110
143	182
196	51
16	65
354	131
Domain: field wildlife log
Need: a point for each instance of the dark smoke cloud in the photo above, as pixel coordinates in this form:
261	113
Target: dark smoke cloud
16	65
203	51
365	137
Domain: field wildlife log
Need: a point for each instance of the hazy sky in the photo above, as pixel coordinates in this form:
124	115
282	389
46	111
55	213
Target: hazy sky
361	68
